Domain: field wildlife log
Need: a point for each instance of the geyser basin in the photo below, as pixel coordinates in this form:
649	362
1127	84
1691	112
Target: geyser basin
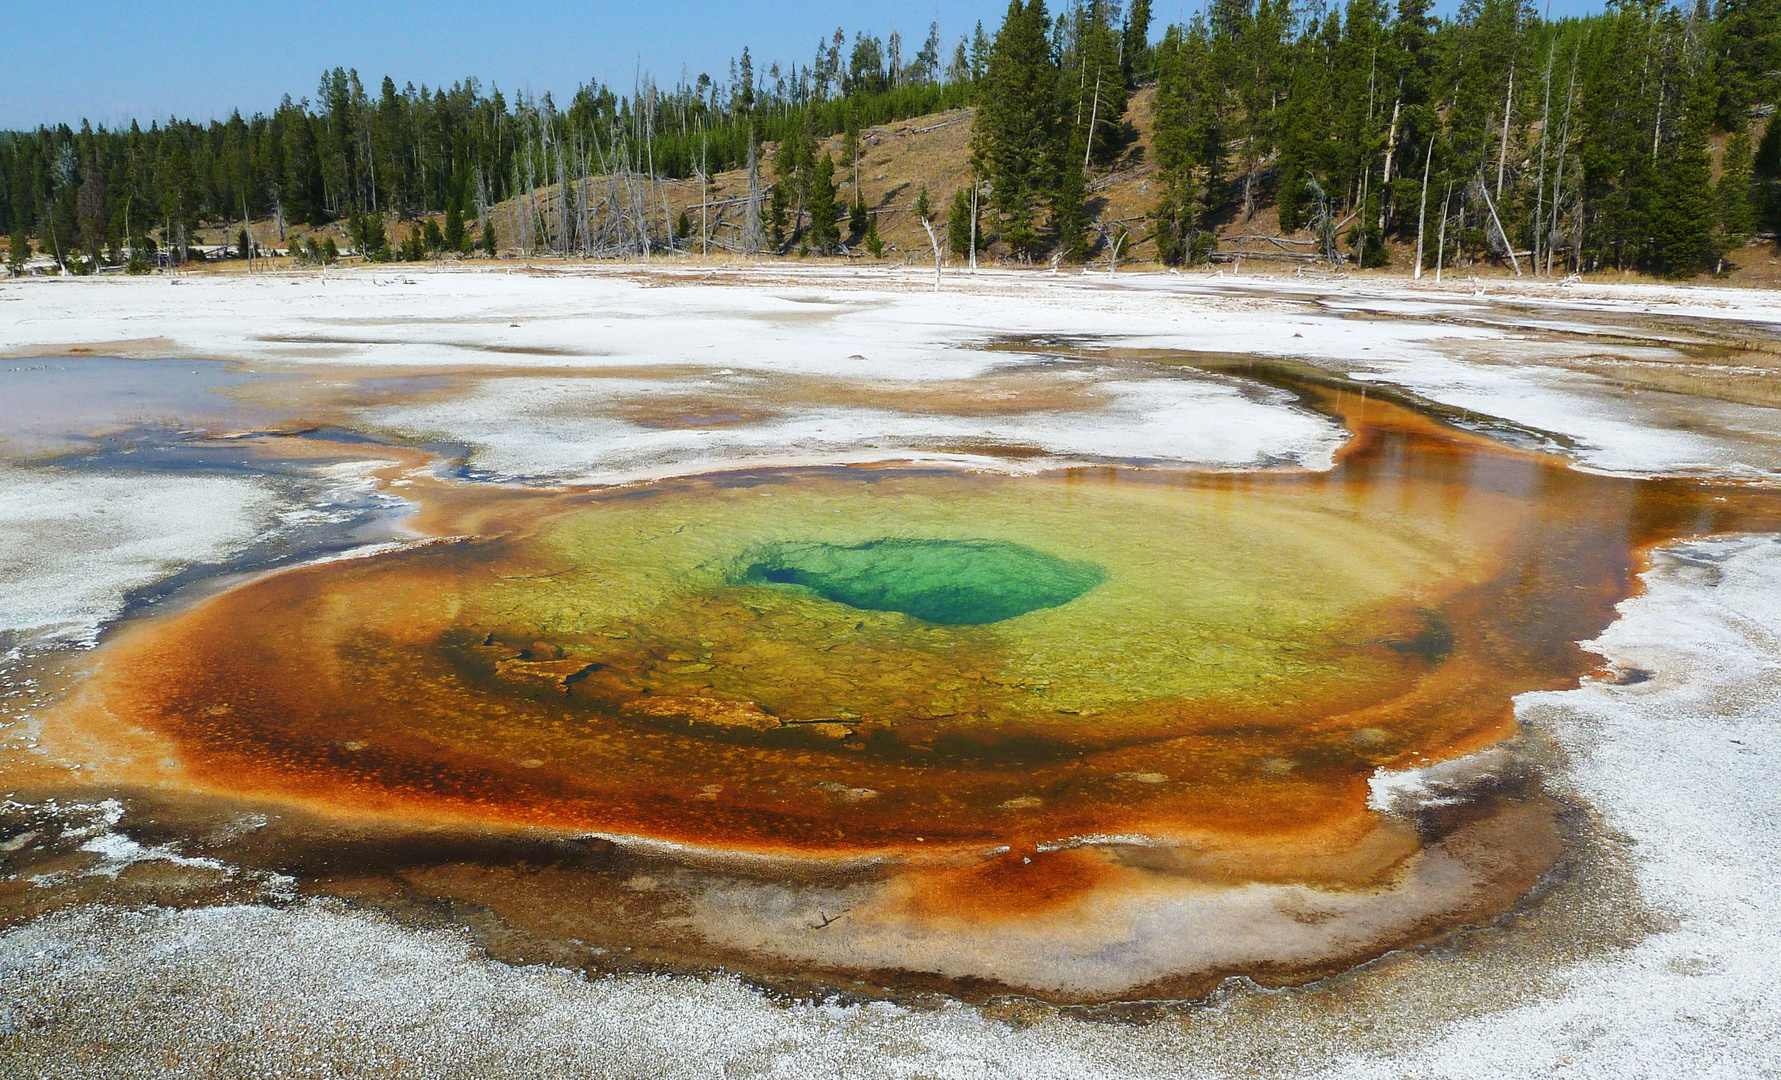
946	582
805	660
1102	732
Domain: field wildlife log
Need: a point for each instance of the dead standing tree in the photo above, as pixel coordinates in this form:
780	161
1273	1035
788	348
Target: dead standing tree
583	191
752	239
620	209
1483	193
1323	223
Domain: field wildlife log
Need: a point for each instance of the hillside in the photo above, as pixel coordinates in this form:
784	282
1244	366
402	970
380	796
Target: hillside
933	151
898	160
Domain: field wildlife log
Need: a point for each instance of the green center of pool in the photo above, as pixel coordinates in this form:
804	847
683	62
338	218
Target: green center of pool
945	582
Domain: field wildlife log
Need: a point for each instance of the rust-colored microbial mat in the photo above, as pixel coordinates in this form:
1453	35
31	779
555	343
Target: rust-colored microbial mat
1097	733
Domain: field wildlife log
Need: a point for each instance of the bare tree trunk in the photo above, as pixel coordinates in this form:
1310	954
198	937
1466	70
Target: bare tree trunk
1422	209
1391	142
934	240
1540	187
974	186
1657	128
563	202
751	222
1577	236
482	200
1564	143
1503	145
1093	114
1502	235
1441	246
646	190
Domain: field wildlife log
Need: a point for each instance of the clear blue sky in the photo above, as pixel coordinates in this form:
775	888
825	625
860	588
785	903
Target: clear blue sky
113	60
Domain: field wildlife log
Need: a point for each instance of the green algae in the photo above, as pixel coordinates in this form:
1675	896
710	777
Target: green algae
1231	594
946	582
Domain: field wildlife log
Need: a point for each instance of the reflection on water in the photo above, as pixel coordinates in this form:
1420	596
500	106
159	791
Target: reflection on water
57	404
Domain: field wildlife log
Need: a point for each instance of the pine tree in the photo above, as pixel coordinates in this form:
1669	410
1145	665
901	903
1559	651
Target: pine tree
90	201
1135	51
454	238
1737	210
958	224
18	252
367	234
850	143
1016	119
857	219
1069	211
1621	119
1412	71
179	199
1489	44
488	237
743	98
778	210
1365	236
1765	168
1363	102
1094	85
1687	210
1748	40
924	208
793	160
1188	145
1307	148
824	232
1250	65
1170	114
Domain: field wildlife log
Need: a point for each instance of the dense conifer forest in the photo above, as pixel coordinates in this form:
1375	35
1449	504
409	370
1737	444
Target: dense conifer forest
1632	139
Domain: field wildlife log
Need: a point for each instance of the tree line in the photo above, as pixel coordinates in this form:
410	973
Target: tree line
352	155
1572	144
1632	139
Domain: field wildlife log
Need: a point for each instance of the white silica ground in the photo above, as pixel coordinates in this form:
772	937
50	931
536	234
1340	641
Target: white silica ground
1607	431
74	544
565	430
885	325
1684	765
